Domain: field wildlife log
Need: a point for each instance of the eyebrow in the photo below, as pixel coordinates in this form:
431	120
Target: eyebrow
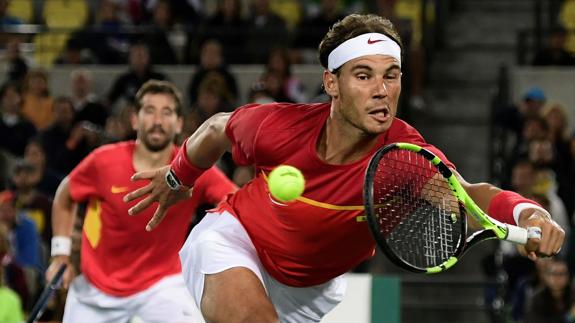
367	67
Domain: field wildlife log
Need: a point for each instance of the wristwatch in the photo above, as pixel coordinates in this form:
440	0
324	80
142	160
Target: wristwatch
173	181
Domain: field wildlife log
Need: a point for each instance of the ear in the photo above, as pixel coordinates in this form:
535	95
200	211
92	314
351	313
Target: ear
330	84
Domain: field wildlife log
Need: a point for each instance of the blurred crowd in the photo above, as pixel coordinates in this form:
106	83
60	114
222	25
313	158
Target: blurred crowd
43	137
539	153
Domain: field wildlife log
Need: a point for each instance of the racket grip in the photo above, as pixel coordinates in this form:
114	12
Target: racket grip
520	235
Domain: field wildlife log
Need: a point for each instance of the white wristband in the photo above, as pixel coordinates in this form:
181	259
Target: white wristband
522	206
61	246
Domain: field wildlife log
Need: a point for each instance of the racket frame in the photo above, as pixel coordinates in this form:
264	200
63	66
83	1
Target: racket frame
493	229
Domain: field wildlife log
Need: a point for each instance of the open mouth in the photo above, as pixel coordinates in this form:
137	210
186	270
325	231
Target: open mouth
380	114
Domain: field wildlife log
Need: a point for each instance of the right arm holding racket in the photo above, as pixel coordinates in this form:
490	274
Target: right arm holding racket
63	217
424	216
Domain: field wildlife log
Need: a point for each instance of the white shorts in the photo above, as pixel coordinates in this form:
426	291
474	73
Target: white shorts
166	301
219	242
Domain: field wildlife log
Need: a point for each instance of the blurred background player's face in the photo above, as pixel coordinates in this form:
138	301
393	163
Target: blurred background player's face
368	91
157	122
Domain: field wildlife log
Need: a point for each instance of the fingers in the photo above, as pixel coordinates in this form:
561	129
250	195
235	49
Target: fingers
68	276
552	237
147	174
142	205
138	193
157	218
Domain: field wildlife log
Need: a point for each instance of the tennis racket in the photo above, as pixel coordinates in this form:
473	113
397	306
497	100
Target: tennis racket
42	302
416	211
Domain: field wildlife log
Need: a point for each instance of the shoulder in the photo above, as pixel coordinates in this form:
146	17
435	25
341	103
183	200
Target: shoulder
114	148
110	154
286	113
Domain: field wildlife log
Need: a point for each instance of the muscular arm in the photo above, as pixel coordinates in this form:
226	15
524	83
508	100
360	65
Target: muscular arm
63	214
63	217
209	142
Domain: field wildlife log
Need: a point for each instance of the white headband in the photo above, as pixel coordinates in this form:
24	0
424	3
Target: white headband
362	45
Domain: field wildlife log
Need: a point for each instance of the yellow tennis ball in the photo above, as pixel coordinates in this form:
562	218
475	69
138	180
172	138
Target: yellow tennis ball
286	183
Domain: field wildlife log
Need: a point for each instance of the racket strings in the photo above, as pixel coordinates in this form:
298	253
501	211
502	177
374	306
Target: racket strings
417	211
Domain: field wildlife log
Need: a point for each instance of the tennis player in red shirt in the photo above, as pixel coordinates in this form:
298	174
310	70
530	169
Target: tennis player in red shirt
126	271
255	259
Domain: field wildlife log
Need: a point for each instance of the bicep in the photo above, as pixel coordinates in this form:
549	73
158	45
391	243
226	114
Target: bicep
209	142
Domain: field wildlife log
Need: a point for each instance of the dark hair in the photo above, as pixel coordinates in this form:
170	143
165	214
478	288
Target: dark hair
159	87
9	85
352	26
64	99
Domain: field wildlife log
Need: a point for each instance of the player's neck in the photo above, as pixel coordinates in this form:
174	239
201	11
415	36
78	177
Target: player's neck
145	159
339	144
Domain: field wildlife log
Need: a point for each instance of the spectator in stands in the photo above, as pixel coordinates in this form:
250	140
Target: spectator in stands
25	239
311	30
10	301
558	121
47	179
266	31
28	199
86	104
187	12
15	130
141	70
38	104
525	288
157	36
554	53
213	97
64	142
107	39
212	62
16	64
279	64
228	27
259	93
552	303
76	52
274	85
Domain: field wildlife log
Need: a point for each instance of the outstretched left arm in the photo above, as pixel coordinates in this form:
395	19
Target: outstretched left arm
511	208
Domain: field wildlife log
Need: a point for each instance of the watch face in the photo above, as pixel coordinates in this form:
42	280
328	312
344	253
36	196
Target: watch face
172	181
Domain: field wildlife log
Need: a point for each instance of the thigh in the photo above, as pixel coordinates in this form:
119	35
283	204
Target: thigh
85	303
236	295
223	272
168	301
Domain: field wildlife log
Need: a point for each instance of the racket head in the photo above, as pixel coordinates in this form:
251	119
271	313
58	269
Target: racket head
412	211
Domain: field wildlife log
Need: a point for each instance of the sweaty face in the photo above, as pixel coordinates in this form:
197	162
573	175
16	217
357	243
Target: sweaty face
367	93
157	122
